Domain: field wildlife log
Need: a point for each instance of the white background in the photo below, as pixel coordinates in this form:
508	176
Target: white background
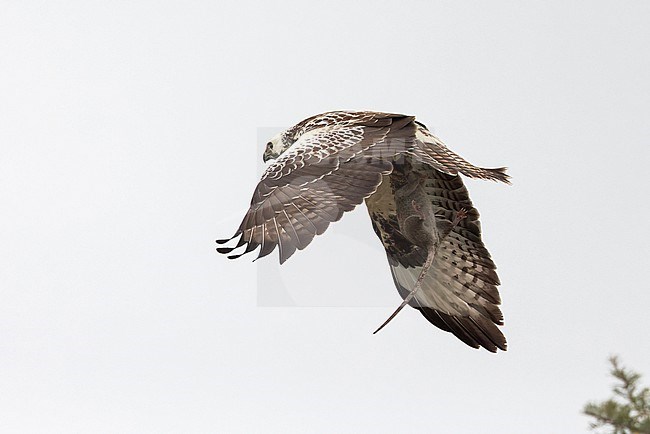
128	143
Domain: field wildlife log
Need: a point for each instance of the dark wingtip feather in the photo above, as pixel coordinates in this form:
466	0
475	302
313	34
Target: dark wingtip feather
224	241
499	174
447	323
475	334
235	256
225	249
490	331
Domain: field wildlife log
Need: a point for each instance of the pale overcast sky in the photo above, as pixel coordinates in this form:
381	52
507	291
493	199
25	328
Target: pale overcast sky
130	137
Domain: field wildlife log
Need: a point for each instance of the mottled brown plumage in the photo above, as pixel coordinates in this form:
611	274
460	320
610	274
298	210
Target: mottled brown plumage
330	163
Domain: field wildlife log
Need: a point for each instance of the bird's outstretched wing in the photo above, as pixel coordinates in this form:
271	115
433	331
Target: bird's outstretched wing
326	172
459	294
431	150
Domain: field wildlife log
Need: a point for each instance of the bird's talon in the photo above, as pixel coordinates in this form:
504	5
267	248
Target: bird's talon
460	216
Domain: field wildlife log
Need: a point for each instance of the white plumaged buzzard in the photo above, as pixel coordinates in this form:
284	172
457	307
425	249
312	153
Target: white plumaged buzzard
420	210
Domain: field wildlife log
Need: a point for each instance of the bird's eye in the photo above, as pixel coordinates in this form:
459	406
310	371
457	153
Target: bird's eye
269	145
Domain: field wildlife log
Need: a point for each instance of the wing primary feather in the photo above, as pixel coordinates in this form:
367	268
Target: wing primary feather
288	234
306	218
225	240
240	243
280	246
270	239
451	325
491	332
250	244
293	229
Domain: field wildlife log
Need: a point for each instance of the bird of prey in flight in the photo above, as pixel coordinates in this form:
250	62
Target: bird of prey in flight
420	210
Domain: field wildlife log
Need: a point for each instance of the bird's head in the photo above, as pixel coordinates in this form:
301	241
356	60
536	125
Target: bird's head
276	146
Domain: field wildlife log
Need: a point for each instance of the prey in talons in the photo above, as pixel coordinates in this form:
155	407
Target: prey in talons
420	225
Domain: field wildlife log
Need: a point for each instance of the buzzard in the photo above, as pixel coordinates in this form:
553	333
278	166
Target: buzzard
419	207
